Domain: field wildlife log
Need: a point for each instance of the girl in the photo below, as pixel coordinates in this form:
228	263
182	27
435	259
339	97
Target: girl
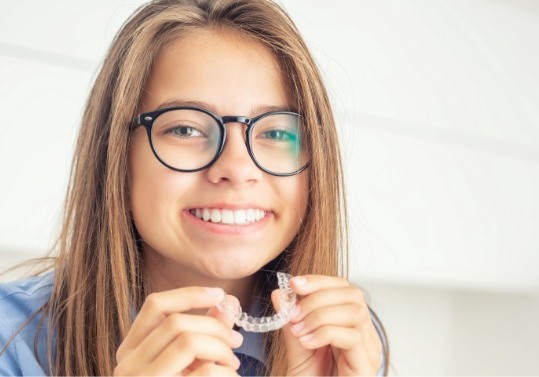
206	162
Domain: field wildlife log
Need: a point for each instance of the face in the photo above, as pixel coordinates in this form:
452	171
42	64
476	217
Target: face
227	74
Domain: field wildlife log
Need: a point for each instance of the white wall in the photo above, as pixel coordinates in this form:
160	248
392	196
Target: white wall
437	105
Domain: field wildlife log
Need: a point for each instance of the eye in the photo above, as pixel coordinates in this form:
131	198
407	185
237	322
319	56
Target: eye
185	132
279	135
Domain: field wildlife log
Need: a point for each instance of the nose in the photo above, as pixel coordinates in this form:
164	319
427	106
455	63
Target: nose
234	165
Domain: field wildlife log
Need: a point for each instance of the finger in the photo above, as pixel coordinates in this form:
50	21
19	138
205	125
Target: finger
343	316
351	344
216	313
176	324
306	284
318	305
333	297
194	366
296	353
158	306
210	369
227	320
189	347
338	315
334	302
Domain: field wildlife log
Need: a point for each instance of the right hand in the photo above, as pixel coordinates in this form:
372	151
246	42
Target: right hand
164	340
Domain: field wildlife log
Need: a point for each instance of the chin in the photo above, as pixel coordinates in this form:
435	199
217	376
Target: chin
233	269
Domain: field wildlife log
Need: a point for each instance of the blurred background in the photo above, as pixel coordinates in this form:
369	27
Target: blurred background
438	107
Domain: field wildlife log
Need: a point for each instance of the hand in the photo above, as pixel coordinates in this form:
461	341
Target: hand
164	340
331	332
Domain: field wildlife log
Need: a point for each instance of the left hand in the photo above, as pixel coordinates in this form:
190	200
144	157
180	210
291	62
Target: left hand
331	332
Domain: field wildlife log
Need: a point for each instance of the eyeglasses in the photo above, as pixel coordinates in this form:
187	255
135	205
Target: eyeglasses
189	139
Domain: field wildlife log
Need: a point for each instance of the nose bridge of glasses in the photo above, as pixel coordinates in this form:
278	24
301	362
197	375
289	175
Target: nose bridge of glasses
240	120
236	119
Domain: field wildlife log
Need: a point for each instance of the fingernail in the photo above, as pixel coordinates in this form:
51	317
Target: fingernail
295	312
298	327
306	338
238	338
217	292
300	280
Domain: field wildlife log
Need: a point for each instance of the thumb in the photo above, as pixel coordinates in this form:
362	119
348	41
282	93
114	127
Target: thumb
227	319
296	353
216	313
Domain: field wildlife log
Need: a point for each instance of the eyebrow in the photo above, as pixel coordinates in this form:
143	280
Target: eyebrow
257	110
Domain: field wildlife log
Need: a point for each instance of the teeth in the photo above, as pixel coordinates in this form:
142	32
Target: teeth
250	215
239	217
227	216
215	216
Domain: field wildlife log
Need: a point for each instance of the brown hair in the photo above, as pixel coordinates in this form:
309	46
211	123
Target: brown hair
99	274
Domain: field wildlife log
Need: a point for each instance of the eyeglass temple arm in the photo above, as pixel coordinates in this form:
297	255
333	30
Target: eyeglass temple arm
135	122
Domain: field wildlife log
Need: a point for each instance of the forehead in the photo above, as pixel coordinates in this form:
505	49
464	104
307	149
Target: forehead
232	72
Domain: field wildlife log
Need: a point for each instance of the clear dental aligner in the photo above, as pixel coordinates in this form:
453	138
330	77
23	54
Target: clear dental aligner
287	302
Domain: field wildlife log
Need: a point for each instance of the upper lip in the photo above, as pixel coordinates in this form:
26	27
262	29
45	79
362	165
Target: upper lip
230	206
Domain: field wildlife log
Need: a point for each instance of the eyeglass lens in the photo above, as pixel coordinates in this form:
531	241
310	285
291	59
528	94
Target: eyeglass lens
188	139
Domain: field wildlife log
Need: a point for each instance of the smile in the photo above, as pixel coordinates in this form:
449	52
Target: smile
227	216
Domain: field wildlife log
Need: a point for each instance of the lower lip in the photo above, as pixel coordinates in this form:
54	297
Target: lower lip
228	229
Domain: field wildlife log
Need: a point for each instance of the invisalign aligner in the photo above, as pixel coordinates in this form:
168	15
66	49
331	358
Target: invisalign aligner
287	300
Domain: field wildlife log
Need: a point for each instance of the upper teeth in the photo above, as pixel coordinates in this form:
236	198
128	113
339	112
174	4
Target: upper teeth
227	216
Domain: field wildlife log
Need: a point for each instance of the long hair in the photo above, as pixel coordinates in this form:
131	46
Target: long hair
99	275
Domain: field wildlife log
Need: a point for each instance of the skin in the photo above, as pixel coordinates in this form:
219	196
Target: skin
331	332
229	75
178	330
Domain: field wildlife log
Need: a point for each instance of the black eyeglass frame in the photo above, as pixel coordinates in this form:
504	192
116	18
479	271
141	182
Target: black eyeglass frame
147	119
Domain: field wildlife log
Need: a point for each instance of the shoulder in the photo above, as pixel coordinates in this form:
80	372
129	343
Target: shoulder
23	297
19	301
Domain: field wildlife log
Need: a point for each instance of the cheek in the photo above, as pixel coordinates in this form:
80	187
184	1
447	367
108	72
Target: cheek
295	201
150	182
154	194
296	196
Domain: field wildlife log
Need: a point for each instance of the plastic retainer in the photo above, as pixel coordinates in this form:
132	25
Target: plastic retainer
287	302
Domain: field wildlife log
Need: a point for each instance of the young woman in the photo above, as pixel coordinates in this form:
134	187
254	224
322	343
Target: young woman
207	161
